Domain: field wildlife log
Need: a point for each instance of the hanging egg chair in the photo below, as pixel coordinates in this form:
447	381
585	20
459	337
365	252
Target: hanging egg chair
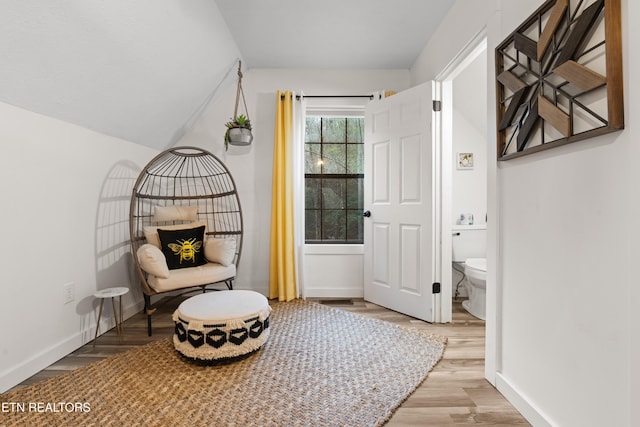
185	223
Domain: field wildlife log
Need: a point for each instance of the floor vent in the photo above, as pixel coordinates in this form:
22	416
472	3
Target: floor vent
336	301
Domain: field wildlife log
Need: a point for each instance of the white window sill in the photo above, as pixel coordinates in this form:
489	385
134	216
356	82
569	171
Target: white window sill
353	249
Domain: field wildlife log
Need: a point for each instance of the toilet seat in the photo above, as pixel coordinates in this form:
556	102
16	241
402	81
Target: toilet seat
479	264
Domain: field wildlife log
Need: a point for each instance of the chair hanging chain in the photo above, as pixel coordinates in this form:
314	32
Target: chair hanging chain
239	92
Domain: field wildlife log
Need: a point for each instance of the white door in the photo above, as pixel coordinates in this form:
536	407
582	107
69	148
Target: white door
400	247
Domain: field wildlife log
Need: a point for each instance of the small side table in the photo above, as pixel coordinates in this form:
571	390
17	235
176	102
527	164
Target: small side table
111	293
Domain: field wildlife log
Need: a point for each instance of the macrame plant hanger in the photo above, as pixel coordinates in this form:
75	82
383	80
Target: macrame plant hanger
240	92
239	128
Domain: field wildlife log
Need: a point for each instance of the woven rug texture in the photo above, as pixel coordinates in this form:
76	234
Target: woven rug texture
320	367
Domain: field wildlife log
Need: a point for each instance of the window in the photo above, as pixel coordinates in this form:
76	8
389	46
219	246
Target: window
334	175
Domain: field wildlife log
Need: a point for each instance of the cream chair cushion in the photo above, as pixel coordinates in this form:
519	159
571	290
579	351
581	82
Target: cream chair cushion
220	251
192	276
175	213
152	261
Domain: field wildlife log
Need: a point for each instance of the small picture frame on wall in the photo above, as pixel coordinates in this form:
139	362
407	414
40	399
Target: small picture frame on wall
465	161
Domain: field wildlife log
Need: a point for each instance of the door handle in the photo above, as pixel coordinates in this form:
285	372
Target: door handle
366	214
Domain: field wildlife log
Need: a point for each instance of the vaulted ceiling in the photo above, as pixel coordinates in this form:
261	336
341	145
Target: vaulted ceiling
144	70
377	34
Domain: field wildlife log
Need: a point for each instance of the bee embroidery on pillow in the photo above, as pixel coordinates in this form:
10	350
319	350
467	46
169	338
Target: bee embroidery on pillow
186	249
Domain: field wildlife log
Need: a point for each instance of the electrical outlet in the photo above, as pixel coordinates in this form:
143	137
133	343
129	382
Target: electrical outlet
69	290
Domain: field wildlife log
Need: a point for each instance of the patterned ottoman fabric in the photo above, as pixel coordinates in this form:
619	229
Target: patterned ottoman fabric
221	325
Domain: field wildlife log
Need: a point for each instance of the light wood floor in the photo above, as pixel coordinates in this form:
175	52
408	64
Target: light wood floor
454	393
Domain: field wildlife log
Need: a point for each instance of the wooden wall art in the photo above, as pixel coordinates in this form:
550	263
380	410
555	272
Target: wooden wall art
559	77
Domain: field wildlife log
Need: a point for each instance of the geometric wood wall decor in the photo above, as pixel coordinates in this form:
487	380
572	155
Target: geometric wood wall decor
559	77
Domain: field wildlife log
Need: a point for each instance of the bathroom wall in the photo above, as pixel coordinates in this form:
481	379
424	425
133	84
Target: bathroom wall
470	136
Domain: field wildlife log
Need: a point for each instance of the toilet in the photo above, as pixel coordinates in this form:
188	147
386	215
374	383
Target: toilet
468	251
475	270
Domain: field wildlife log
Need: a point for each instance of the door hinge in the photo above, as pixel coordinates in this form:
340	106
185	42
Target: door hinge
435	288
437	105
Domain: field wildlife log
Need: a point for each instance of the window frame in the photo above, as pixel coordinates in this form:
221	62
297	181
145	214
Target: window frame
330	113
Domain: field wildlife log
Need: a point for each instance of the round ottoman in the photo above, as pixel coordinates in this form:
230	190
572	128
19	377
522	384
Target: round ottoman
221	325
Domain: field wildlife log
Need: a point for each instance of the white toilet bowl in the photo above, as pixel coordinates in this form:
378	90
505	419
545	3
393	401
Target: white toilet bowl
475	269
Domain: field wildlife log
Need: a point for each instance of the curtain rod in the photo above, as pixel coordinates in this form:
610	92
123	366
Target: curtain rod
332	96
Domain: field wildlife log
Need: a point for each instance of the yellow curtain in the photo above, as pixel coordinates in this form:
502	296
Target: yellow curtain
282	274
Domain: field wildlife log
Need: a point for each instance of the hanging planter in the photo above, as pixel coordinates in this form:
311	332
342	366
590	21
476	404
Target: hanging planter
238	131
239	127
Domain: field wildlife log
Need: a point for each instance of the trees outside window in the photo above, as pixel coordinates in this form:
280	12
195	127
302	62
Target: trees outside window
334	177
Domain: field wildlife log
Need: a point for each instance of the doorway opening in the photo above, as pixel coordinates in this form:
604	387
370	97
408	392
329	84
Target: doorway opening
464	142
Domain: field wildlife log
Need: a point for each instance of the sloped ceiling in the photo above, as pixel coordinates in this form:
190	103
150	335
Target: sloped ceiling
144	70
139	70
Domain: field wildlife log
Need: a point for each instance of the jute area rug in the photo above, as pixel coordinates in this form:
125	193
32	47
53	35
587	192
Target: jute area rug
320	367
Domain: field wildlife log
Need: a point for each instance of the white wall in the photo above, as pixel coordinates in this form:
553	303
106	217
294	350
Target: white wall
469	185
252	166
66	194
561	247
470	136
333	271
632	92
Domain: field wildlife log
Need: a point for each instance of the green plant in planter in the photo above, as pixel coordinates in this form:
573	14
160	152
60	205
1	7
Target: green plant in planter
238	137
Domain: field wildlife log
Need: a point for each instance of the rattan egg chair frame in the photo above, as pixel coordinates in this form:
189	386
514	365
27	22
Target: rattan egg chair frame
185	176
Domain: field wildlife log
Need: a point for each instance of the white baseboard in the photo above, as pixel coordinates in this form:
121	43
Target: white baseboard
522	403
333	293
17	374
